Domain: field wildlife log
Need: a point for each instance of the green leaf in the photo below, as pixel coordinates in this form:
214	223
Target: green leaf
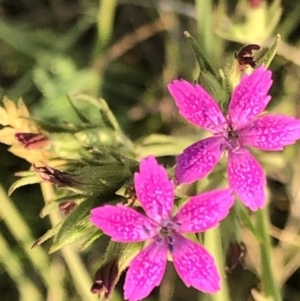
50	233
107	116
216	88
81	116
269	55
95	235
25	173
162	145
124	253
69	198
23	182
204	65
244	216
103	179
79	231
75	227
47	209
50	206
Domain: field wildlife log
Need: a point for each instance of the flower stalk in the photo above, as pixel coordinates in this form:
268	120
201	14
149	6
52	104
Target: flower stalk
77	270
270	286
213	243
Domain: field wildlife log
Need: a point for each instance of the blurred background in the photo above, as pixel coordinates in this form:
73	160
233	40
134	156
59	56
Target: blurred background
126	51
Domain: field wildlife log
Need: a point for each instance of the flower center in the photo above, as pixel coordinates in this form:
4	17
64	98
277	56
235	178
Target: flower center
231	137
166	234
232	134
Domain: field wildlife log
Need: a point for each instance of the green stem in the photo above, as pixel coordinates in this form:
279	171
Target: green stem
205	28
269	284
105	21
15	268
214	246
77	270
22	234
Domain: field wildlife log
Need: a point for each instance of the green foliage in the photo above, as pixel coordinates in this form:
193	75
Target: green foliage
25	180
64	59
75	227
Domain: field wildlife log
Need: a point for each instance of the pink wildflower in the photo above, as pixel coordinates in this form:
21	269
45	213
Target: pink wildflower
155	192
243	126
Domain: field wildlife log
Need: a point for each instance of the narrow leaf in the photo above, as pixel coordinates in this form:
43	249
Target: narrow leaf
75	227
269	55
247	222
23	182
95	235
50	233
204	65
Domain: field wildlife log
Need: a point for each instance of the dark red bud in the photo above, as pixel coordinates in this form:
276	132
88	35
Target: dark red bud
255	3
235	255
32	140
245	56
66	207
106	279
55	176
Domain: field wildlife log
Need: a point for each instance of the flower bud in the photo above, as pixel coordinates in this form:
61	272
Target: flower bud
32	140
66	207
255	3
55	176
235	255
106	278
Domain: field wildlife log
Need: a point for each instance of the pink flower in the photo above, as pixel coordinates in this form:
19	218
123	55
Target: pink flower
243	126
163	231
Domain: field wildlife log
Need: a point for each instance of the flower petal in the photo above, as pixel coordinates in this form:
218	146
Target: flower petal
145	272
195	266
246	178
271	132
198	160
204	211
154	189
250	97
196	105
123	224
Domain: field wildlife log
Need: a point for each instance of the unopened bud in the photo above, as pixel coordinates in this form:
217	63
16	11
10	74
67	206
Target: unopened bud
32	140
235	255
106	279
245	56
66	207
255	3
55	176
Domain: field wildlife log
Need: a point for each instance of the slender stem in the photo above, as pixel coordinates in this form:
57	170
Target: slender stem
214	246
77	269
105	21
15	269
22	233
271	288
205	28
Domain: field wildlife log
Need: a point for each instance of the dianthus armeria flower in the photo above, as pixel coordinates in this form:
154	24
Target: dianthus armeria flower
243	126
163	232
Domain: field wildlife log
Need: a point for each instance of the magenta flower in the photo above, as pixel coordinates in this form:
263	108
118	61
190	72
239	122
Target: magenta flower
163	231
243	126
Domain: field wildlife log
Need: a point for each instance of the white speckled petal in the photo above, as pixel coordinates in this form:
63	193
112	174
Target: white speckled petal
123	224
145	272
196	105
204	211
271	132
249	98
198	160
154	189
246	178
195	266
